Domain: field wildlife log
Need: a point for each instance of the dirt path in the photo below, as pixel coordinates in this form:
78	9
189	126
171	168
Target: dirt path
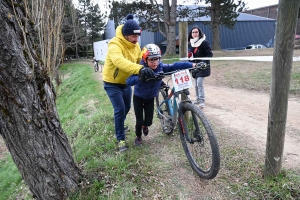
247	113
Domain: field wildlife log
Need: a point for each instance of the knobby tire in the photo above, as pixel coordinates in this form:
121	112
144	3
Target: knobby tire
202	150
96	67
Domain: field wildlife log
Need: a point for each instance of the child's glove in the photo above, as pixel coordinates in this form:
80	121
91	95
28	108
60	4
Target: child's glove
146	73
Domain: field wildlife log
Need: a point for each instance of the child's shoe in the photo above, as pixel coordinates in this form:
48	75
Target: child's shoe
138	141
145	130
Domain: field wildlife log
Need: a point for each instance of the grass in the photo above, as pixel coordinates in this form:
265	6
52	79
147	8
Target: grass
10	178
86	111
87	117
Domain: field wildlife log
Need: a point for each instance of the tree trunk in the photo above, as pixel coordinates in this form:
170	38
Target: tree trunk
215	23
183	45
171	41
170	17
281	74
183	40
29	123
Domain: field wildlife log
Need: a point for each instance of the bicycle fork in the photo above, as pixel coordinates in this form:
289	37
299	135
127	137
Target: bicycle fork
196	135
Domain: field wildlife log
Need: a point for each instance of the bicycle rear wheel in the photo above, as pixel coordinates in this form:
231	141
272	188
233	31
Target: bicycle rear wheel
164	112
96	67
199	141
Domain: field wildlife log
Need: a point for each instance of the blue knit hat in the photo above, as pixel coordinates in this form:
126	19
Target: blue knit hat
131	27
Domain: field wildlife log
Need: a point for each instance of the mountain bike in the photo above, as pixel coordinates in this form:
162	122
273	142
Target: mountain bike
196	134
96	66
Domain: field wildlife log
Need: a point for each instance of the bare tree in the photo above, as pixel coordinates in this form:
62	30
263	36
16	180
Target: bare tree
281	75
76	30
29	122
48	16
169	17
71	31
222	12
164	14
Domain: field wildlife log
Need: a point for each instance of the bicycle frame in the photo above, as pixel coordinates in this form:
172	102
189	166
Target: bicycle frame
176	103
172	109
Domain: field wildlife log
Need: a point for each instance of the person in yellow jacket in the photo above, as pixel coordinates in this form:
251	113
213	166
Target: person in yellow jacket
122	60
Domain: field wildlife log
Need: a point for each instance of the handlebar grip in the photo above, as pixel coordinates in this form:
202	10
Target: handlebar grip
155	78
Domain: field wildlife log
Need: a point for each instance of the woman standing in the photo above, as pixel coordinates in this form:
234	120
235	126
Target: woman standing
199	47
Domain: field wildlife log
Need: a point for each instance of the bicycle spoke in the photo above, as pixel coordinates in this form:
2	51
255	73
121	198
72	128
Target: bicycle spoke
200	151
199	142
164	113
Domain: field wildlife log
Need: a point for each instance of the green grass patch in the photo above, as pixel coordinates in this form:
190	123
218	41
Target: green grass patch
170	59
87	117
10	178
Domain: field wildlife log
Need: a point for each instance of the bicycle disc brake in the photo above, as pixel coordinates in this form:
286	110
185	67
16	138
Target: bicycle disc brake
198	137
166	125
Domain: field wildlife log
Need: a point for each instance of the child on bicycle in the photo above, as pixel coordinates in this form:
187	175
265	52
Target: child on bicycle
145	91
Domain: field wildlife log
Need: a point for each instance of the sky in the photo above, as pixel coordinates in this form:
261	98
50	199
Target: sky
251	4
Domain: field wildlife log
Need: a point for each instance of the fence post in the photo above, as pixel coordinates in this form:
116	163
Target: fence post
183	50
183	45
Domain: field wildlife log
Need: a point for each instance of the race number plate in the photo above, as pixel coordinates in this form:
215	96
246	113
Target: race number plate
182	80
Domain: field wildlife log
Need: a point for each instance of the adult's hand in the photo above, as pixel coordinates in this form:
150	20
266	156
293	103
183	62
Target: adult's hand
146	73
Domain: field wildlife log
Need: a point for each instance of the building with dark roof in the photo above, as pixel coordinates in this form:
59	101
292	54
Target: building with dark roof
269	12
249	29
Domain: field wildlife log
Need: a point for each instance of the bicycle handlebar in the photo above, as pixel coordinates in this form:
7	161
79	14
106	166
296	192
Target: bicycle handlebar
161	75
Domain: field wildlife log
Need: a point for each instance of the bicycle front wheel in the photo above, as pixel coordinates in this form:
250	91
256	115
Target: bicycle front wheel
163	112
199	141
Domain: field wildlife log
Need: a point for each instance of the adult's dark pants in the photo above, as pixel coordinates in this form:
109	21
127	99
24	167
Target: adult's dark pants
120	98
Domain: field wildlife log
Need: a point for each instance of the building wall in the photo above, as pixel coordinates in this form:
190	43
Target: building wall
270	12
146	38
248	32
244	34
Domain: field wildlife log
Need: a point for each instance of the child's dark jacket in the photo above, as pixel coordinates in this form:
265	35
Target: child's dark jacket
149	89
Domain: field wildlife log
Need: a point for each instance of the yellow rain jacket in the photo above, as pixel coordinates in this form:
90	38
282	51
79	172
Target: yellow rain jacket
122	59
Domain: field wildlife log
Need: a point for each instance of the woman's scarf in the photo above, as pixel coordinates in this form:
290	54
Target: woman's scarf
196	42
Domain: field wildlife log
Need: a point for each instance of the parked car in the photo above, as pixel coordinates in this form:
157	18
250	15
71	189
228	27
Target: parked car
255	46
297	37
